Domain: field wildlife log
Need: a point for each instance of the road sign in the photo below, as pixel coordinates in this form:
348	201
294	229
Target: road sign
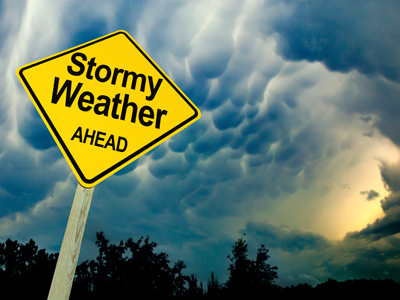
106	103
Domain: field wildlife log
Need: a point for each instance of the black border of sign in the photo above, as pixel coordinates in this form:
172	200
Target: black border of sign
131	156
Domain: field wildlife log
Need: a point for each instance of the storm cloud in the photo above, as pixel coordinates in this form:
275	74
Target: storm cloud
389	224
297	98
360	35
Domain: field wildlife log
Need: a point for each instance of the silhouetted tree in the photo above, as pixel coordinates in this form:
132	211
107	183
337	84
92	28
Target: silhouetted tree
194	289
108	278
127	269
240	267
263	274
179	279
25	266
147	270
84	280
133	269
300	290
248	276
214	288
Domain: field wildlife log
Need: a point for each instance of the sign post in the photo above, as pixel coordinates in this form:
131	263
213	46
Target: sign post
106	103
68	258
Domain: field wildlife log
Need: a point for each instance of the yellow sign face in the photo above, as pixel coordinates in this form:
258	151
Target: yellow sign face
106	103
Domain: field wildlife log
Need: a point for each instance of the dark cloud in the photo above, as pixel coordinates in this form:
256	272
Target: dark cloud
228	116
209	186
390	201
24	181
389	224
212	63
217	97
172	164
293	148
386	226
314	259
196	90
89	29
373	263
119	187
285	239
127	15
373	260
180	142
157	39
32	128
220	169
232	86
191	155
391	176
213	47
371	195
202	263
84	27
344	35
213	142
159	152
129	168
375	97
252	111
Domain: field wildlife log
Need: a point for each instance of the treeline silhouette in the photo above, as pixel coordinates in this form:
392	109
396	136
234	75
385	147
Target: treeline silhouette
133	270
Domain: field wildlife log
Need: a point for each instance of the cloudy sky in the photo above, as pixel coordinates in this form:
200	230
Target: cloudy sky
297	146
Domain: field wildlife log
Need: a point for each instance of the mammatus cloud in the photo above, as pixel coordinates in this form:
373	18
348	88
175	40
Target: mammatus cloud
374	99
344	35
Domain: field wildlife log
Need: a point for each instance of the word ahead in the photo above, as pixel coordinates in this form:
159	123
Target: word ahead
106	103
96	139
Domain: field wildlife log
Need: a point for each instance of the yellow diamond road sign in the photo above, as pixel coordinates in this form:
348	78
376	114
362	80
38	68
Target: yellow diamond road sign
106	103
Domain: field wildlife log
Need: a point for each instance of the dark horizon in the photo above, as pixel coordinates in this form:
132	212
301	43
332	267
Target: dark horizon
134	267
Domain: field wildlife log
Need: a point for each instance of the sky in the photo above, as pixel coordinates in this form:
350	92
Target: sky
297	146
